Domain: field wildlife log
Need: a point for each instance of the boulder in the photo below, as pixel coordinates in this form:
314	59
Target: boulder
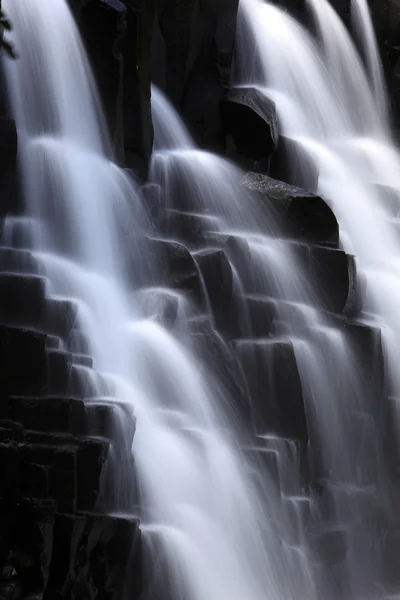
299	214
251	124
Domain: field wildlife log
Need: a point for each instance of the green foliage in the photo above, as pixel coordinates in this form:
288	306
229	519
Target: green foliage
5	25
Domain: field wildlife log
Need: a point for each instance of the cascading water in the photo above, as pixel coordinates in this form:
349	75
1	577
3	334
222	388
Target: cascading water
326	103
220	534
336	397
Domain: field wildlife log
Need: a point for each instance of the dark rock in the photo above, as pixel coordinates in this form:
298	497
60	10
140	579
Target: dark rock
76	466
250	120
78	342
330	547
83	360
214	28
59	317
50	414
153	199
9	196
28	546
186	228
292	164
118	37
21	299
94	556
334	275
13	260
217	276
23	360
275	387
59	367
300	214
175	267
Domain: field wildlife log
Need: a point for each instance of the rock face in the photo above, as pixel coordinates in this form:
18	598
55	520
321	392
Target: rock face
250	121
297	210
118	37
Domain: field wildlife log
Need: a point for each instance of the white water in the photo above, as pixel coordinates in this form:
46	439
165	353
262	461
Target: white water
220	533
337	399
329	103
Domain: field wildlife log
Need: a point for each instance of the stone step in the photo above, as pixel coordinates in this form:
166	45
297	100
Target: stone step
275	388
60	316
106	549
22	300
218	279
294	271
59	368
83	360
23	362
19	232
298	214
174	268
77	465
78	342
87	383
110	418
186	227
15	260
49	414
27	541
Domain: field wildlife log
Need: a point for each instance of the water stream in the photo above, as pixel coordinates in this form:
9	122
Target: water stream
219	532
227	528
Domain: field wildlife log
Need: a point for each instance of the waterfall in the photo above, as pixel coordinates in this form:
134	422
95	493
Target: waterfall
219	529
333	106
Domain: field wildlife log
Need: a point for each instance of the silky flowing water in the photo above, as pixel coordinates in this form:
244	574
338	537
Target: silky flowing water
224	529
219	532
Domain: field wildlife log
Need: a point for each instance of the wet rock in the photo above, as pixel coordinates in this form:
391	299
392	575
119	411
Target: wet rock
78	342
26	545
330	547
21	299
300	214
9	197
94	556
13	260
175	267
334	274
153	199
187	228
262	313
293	164
250	122
50	414
210	73
23	360
59	317
59	368
118	37
275	387
217	275
76	466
